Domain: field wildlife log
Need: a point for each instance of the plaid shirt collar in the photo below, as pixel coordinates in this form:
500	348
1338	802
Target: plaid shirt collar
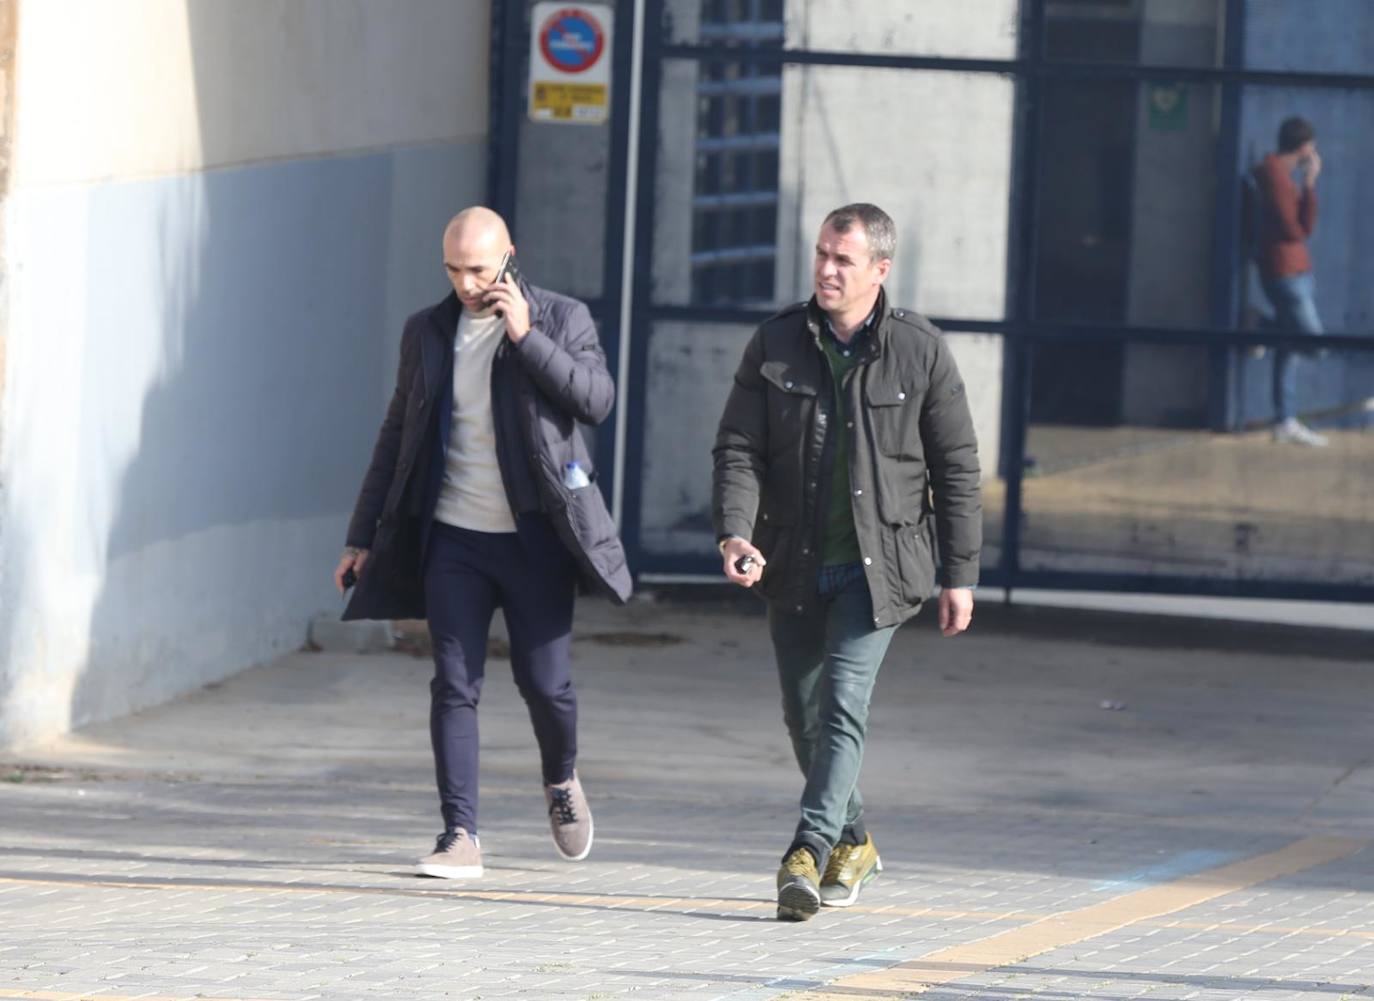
855	343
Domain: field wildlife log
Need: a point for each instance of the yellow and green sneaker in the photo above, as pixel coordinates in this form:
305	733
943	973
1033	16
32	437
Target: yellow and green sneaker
799	895
850	869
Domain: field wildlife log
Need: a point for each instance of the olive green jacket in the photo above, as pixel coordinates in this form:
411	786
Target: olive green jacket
913	460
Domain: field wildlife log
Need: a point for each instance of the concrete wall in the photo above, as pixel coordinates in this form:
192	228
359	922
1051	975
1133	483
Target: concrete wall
218	216
973	29
8	25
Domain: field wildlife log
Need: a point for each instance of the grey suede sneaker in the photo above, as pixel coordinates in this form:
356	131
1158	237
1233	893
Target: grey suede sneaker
457	855
570	819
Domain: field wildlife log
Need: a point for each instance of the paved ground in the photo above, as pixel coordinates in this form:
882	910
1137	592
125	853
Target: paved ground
1208	839
1194	503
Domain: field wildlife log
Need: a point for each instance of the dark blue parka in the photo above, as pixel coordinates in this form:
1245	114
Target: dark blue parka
542	390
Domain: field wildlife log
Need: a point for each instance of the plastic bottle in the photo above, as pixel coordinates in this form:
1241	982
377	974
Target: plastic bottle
574	476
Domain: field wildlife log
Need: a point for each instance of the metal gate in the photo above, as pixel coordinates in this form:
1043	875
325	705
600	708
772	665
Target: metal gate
1068	178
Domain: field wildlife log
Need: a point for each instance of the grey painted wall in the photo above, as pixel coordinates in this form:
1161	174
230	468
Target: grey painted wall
197	367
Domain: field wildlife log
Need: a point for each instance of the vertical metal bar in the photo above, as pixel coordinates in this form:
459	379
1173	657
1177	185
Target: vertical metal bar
495	98
1018	347
618	284
509	40
1225	395
638	328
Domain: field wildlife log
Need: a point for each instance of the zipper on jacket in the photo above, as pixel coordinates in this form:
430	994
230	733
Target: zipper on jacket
503	355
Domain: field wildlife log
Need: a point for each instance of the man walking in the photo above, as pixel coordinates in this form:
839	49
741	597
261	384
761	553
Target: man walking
1288	216
480	495
845	440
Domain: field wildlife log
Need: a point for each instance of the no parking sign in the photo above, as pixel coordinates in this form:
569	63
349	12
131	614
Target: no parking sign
570	63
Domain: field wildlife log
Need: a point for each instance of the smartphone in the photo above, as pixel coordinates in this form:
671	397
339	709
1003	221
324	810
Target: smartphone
509	266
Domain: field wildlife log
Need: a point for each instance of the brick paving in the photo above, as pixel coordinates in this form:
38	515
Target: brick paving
253	841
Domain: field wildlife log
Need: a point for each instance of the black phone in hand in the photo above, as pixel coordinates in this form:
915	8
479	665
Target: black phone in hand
509	267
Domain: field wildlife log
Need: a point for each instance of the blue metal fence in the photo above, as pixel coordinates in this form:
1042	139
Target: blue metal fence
1220	531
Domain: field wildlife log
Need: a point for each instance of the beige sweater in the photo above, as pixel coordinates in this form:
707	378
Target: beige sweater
473	495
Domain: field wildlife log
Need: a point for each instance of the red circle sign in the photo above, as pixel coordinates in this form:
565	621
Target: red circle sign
571	40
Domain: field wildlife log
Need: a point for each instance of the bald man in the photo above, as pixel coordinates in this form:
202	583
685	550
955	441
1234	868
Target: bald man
481	495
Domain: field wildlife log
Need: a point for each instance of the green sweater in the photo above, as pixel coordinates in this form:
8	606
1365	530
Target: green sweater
841	543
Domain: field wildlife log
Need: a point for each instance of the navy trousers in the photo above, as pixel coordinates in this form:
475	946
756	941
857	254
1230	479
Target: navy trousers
532	579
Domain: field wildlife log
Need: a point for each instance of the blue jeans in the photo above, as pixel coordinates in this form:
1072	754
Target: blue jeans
1295	311
827	664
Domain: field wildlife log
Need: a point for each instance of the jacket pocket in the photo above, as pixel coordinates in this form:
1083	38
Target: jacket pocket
894	419
772	535
915	565
789	379
591	522
792	396
774	541
767	532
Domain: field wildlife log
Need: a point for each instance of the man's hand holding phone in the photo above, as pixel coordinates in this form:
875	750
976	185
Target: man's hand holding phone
1311	167
743	563
504	297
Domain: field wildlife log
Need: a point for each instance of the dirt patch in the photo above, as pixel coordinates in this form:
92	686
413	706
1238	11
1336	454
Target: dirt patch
412	637
633	639
18	773
415	641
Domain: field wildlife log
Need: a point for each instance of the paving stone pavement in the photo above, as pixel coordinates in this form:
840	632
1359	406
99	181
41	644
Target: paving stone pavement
253	841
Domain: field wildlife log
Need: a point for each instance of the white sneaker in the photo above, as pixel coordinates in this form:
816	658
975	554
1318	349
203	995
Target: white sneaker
1294	432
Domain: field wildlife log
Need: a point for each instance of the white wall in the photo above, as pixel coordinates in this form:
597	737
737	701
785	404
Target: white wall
169	86
972	29
219	214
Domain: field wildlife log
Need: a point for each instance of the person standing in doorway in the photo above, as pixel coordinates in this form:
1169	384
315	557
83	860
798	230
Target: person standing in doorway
846	449
1287	218
480	496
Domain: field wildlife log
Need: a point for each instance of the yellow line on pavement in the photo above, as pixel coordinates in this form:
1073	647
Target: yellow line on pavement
1015	945
557	898
8	995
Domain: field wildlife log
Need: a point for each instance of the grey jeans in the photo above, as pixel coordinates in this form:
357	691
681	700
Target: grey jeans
827	664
